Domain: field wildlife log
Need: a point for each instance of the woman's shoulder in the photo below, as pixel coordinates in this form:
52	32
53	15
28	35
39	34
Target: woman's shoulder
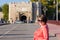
45	27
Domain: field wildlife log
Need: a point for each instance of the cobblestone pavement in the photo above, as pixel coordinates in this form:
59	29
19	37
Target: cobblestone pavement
23	32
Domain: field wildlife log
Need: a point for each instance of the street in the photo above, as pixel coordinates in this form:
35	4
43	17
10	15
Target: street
20	32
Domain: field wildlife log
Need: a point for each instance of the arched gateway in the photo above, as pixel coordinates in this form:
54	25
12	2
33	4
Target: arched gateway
23	11
20	11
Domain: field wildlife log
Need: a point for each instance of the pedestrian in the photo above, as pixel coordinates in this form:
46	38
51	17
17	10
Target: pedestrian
42	33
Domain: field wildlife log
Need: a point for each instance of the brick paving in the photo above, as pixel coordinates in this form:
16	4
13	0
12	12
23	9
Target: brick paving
54	29
25	31
54	22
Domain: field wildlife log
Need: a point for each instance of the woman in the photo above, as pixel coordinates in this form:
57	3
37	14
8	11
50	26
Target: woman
42	33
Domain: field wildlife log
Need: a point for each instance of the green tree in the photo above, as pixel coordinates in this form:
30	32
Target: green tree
51	6
0	9
58	0
44	2
33	0
5	10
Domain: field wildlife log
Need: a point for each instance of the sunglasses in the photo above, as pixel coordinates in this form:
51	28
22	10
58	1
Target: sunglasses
39	20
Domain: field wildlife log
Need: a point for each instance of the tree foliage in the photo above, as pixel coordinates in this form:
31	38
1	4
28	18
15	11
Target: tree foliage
44	2
50	7
5	10
0	9
33	0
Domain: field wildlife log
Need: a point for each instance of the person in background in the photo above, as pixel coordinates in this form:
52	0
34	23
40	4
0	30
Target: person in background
42	33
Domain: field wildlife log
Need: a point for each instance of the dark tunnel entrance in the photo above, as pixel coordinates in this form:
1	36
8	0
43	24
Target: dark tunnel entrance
23	18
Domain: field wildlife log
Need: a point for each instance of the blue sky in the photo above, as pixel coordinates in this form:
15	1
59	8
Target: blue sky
8	1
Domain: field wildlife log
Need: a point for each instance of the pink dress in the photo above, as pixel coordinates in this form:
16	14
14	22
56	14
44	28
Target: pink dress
42	33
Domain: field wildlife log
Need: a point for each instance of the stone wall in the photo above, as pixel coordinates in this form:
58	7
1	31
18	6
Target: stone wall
19	8
1	15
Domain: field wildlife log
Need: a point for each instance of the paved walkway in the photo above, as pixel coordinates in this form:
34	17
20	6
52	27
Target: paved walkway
55	29
25	31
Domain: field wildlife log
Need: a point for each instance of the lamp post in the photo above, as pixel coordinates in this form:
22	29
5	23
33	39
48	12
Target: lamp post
56	2
56	10
45	9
